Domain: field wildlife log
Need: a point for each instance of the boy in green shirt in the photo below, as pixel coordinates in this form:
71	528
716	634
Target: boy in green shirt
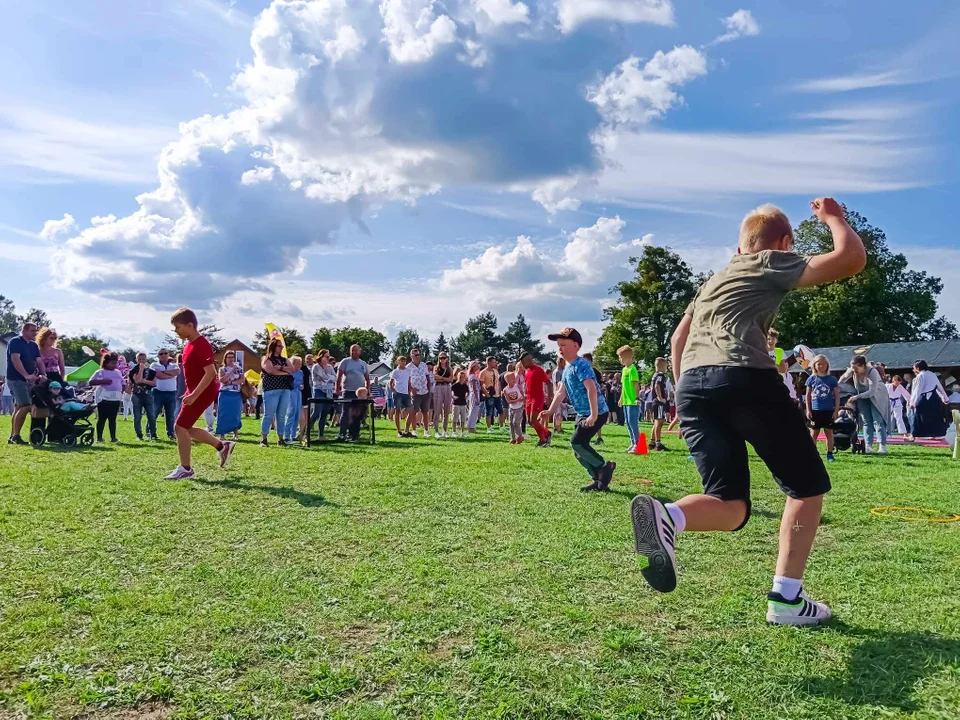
730	393
630	389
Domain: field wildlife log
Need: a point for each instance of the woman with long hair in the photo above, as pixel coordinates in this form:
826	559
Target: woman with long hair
51	357
277	375
442	394
927	400
230	400
110	382
873	401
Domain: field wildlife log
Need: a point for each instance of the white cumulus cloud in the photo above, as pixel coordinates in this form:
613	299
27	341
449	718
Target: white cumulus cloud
257	175
573	13
52	228
413	29
635	93
503	12
740	24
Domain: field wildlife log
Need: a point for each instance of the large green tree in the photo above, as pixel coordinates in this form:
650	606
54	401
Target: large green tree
322	339
649	307
373	344
406	341
480	339
887	302
296	344
36	316
8	316
441	345
72	347
519	339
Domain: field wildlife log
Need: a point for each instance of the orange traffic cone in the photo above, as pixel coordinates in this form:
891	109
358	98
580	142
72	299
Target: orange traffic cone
642	445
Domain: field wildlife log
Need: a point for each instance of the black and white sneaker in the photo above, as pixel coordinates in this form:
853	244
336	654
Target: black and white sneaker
654	536
802	611
548	441
592	487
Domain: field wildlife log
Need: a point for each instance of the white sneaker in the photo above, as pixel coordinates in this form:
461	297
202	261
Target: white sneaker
490	431
181	473
802	611
654	536
867	449
225	452
445	436
400	435
455	434
882	450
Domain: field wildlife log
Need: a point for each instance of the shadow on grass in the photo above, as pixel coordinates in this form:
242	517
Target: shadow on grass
886	667
287	493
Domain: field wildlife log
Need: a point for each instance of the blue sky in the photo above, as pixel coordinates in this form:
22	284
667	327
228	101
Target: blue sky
410	163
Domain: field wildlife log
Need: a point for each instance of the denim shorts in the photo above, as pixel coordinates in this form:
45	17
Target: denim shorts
20	390
401	401
721	409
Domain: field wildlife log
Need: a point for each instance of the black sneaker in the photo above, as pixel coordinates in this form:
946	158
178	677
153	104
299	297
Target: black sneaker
654	538
598	441
548	441
606	476
662	448
264	443
16	440
592	487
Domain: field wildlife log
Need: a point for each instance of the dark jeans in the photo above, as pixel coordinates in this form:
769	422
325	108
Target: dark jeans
141	403
107	412
167	401
321	411
351	416
580	443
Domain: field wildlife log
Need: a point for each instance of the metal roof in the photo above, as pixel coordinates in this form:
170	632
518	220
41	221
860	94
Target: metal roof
896	356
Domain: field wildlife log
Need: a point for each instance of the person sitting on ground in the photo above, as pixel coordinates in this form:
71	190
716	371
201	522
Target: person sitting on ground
730	393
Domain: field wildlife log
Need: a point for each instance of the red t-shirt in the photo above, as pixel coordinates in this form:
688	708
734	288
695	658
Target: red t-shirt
196	356
536	378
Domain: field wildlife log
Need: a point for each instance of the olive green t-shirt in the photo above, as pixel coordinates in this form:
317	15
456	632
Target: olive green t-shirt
735	308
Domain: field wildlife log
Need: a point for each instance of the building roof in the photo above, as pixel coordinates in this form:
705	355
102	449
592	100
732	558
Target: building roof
373	367
896	356
7	337
235	344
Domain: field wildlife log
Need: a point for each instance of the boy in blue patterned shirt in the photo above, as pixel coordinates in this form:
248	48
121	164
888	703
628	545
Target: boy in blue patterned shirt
580	386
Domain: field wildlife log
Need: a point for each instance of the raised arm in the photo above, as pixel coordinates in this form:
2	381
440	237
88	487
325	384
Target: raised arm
848	256
678	342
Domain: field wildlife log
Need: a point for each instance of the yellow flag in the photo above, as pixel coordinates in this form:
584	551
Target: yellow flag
274	332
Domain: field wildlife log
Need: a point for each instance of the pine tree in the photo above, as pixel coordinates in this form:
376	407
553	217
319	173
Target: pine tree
518	339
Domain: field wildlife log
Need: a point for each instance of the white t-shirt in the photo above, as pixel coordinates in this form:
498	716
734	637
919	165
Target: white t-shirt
513	395
418	377
170	384
7	392
401	380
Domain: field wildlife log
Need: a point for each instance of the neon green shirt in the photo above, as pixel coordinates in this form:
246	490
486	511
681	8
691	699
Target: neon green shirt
629	376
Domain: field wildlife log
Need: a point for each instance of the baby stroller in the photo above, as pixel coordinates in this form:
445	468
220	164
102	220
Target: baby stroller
845	435
65	427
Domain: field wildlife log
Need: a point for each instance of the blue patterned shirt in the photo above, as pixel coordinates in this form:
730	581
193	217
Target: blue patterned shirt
573	376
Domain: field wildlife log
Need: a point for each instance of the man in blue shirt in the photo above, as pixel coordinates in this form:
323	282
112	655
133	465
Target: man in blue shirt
22	374
580	386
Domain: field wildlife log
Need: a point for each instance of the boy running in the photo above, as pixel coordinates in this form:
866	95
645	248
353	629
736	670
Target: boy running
200	375
661	403
580	385
729	393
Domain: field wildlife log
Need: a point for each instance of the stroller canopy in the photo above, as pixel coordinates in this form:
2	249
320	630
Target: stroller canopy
84	372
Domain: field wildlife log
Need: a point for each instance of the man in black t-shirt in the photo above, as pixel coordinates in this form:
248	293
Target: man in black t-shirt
142	379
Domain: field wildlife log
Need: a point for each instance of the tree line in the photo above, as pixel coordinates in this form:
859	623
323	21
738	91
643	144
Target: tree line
887	302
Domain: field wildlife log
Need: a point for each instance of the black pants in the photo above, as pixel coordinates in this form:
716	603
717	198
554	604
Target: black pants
591	460
107	412
259	407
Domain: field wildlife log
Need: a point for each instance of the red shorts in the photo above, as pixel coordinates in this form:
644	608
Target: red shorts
535	407
189	414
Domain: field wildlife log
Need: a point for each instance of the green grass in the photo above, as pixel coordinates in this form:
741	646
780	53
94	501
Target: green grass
449	579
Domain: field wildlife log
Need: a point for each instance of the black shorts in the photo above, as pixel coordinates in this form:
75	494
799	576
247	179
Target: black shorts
721	409
822	419
660	410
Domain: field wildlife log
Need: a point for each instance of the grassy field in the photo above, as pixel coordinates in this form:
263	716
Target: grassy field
450	579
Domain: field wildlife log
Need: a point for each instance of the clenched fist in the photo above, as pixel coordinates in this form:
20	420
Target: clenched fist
826	208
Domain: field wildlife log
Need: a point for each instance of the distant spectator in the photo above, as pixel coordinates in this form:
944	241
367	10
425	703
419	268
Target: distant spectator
324	378
277	383
873	402
927	398
110	382
141	380
229	399
23	371
165	393
6	405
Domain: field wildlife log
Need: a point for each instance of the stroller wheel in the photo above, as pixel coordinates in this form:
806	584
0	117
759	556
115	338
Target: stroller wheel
37	437
69	441
86	439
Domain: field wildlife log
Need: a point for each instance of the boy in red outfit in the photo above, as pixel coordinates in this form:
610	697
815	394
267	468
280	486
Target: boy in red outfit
200	376
536	380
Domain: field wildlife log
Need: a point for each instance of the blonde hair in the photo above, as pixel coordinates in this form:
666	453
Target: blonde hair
510	377
43	334
816	359
625	350
762	228
661	364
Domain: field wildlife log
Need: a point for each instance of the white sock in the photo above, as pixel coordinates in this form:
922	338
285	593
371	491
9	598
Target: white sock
676	514
789	588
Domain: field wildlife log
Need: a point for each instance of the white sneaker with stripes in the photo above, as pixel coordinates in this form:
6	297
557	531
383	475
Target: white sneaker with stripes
655	537
802	611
